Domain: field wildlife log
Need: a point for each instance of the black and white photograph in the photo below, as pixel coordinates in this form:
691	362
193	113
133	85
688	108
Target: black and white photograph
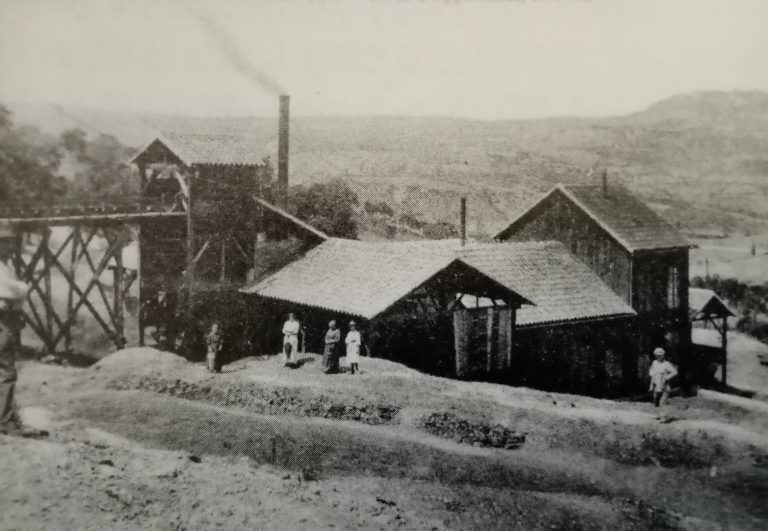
383	264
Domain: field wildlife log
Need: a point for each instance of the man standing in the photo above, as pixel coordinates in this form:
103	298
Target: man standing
290	339
11	293
661	372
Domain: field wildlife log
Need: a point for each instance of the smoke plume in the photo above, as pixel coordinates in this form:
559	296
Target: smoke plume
232	53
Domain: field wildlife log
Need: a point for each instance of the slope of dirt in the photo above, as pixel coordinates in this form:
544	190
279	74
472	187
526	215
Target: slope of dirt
584	463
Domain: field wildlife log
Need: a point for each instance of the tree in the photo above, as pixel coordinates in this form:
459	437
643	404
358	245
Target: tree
441	230
326	206
101	167
29	162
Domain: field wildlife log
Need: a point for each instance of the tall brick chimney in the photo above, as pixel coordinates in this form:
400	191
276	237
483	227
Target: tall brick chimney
282	144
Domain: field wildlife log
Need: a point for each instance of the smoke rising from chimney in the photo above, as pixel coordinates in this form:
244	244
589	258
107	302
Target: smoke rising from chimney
232	52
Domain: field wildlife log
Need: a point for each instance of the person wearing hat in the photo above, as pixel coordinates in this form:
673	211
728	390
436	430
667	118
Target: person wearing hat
11	293
661	372
353	342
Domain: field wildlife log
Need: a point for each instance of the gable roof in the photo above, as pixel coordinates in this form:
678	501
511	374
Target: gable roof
627	219
366	278
704	302
211	149
357	278
562	288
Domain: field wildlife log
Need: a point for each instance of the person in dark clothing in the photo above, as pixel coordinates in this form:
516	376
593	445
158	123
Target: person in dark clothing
214	341
11	323
331	349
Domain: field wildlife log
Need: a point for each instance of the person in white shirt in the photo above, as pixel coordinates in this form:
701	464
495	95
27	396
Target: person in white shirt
661	372
353	342
291	338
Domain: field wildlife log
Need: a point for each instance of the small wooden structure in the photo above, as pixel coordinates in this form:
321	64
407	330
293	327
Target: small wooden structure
706	307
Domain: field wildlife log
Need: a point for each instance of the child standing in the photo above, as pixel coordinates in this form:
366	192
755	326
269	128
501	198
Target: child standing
353	342
661	372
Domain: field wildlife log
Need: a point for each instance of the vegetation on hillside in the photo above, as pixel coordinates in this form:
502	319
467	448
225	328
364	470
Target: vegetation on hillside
36	166
698	158
329	207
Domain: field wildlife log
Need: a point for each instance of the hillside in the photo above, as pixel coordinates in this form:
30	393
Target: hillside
700	159
147	440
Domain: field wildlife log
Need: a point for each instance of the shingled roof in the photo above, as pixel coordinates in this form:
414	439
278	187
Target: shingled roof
703	302
628	220
562	288
358	278
366	278
213	149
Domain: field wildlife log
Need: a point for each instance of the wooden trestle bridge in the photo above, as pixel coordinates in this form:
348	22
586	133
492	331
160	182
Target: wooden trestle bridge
65	274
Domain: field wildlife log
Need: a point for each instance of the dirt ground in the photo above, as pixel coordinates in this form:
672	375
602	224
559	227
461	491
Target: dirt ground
146	440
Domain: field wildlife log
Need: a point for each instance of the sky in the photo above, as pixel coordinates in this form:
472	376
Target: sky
470	58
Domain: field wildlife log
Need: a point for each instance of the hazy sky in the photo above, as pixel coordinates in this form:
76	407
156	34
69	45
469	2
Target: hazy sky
490	59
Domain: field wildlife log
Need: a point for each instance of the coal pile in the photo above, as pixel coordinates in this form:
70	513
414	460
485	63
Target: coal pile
269	400
450	426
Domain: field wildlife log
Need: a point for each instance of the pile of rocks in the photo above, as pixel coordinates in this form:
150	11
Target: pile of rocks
269	400
450	426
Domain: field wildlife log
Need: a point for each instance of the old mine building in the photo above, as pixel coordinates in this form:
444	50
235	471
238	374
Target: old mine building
594	280
572	296
641	257
522	313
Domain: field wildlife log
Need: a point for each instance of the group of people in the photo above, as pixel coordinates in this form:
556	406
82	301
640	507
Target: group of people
214	341
331	351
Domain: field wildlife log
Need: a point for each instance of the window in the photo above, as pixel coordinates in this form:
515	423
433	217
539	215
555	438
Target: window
673	288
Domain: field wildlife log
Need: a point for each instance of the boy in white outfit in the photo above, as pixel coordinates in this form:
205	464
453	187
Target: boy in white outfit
661	372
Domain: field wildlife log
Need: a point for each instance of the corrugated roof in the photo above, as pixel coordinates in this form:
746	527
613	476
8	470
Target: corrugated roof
203	148
562	288
706	301
625	217
357	278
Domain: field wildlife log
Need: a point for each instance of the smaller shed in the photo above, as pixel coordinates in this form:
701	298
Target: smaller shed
707	308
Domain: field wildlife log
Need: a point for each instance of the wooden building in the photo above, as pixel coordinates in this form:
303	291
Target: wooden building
404	296
234	231
526	314
641	257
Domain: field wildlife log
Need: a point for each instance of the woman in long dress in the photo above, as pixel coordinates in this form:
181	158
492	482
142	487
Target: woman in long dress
331	350
353	342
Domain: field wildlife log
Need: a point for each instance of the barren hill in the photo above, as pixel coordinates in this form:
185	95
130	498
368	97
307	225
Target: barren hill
701	159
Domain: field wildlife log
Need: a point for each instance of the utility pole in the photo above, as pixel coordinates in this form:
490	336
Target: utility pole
190	258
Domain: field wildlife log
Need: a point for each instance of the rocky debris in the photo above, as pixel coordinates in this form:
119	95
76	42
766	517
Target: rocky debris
656	449
269	400
450	426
